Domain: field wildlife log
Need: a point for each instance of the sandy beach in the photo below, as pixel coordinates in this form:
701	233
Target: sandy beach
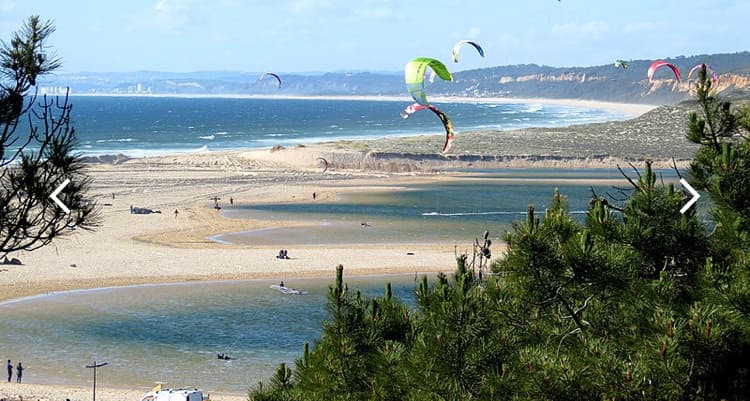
167	247
133	249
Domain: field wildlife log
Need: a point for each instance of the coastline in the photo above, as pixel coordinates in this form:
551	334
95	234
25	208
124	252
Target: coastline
656	134
133	249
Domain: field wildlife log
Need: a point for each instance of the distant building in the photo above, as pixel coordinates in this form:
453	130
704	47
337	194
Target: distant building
54	90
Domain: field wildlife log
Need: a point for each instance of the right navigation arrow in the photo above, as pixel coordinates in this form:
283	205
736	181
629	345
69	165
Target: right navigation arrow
693	192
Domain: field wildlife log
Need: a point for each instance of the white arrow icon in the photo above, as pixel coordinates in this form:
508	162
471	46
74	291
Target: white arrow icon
693	192
57	191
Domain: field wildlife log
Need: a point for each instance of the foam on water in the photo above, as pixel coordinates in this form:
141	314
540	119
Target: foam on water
131	152
115	140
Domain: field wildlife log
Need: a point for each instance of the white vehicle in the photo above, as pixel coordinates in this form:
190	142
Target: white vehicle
175	395
288	290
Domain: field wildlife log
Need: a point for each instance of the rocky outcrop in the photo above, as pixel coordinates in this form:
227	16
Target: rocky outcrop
569	77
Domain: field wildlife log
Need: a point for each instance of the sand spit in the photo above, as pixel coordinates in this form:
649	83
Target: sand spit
658	135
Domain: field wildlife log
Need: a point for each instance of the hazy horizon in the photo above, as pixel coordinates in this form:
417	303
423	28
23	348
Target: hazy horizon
365	71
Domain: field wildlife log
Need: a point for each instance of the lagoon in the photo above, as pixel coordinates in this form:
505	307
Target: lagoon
172	332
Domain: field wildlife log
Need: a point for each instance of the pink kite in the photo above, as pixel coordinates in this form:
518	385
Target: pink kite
661	63
449	135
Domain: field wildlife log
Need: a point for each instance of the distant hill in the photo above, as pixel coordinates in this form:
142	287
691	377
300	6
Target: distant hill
604	82
600	82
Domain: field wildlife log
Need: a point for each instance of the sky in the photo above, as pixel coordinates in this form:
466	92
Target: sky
340	35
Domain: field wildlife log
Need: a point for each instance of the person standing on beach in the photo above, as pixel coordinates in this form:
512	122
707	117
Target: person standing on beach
10	370
19	372
231	201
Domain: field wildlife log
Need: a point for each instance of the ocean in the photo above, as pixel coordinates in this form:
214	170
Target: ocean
142	126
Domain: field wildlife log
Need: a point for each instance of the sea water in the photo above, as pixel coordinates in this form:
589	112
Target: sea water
141	125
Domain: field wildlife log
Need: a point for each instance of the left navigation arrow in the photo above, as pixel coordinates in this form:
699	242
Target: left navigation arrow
57	192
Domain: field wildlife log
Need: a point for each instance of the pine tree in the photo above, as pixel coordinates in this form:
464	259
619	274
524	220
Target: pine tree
36	158
458	352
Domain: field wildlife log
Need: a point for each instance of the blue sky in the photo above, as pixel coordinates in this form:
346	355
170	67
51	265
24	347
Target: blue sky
334	35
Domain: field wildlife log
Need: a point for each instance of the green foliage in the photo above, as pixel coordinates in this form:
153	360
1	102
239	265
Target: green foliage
715	122
458	353
638	302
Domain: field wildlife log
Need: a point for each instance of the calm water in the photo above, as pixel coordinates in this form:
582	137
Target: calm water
172	333
458	210
139	126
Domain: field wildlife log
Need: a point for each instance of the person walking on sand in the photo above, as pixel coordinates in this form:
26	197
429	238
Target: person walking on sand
231	201
10	370
176	212
19	372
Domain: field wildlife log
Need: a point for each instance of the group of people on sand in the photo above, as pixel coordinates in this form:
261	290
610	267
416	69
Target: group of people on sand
19	371
282	254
